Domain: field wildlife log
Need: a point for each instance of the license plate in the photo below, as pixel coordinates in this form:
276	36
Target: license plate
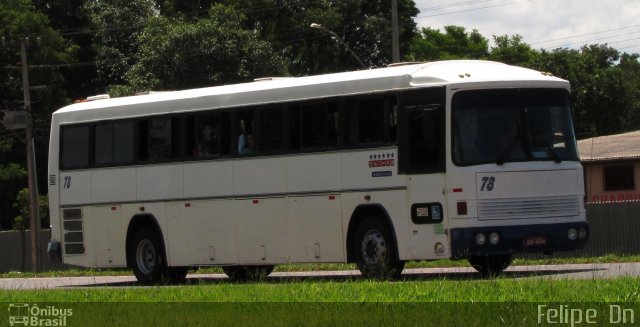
535	241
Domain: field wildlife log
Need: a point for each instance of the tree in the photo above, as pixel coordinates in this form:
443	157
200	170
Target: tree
21	222
604	87
72	19
19	20
365	25
454	43
117	25
195	9
177	54
511	50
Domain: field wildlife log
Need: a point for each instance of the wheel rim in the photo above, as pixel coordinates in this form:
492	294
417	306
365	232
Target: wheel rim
373	248
146	256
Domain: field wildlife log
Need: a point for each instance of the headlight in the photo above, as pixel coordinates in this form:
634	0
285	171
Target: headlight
572	234
582	233
494	238
480	239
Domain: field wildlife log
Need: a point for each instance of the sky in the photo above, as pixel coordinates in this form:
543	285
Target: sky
543	24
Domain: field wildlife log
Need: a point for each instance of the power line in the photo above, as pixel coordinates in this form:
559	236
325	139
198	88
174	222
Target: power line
474	9
598	39
586	34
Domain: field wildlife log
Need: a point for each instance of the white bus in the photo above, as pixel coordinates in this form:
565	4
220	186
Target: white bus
457	159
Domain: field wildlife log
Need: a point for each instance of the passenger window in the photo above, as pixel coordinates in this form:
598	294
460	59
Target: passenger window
424	139
245	127
75	147
270	136
208	135
422	131
158	139
114	143
313	126
334	122
371	121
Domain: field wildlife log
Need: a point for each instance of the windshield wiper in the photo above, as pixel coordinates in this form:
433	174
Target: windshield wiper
554	154
502	158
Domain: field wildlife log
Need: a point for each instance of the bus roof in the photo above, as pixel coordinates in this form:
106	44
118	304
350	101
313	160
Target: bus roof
278	90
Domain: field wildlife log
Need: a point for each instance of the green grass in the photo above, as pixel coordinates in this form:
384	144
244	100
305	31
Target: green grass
625	289
610	258
348	302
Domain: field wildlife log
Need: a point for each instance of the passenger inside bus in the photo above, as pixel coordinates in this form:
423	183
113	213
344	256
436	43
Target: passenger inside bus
246	144
207	142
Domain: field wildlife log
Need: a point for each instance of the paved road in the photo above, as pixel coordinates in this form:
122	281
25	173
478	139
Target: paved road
576	271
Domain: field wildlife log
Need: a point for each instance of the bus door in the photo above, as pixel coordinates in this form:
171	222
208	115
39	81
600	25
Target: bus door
422	159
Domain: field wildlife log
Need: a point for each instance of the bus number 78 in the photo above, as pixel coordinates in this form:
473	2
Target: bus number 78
487	183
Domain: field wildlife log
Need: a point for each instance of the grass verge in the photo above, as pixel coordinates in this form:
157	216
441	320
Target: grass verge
350	302
76	272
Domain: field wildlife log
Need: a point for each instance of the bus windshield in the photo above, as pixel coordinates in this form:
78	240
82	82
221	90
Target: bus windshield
512	125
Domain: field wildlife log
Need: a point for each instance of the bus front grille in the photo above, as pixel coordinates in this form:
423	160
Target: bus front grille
535	207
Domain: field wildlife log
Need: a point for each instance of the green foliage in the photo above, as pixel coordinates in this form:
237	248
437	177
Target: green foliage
176	54
454	43
21	222
118	25
19	19
46	49
11	172
363	24
416	289
605	87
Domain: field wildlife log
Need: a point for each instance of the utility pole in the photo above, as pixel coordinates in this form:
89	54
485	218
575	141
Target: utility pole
395	31
34	212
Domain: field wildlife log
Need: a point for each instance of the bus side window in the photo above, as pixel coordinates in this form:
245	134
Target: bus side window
424	139
334	122
205	135
158	139
74	152
313	124
421	131
270	130
349	126
245	129
371	121
114	143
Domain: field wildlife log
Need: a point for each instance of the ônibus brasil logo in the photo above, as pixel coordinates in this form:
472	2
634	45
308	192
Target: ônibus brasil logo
25	314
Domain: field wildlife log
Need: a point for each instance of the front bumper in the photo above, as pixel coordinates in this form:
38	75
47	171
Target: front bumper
517	239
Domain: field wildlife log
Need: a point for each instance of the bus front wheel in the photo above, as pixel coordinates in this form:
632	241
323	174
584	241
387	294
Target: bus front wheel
490	264
146	250
375	250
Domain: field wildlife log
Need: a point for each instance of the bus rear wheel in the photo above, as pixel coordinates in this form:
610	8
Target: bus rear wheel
375	250
490	264
244	273
146	250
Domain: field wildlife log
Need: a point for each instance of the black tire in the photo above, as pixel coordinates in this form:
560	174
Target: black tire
246	273
147	254
489	265
177	275
375	251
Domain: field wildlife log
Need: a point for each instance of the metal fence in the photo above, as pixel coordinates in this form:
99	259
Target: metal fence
15	251
615	229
